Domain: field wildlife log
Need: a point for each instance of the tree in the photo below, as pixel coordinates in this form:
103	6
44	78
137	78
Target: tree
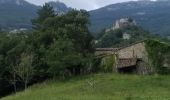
45	12
1	65
74	25
69	32
8	56
25	69
13	79
62	57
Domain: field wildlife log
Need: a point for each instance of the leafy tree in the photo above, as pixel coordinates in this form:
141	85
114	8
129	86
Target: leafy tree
59	45
13	59
1	65
7	42
11	47
74	25
13	78
62	57
45	12
71	27
25	69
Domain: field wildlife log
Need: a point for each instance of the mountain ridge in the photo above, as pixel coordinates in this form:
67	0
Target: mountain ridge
148	14
152	15
16	14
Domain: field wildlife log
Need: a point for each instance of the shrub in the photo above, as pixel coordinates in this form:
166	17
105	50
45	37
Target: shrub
108	63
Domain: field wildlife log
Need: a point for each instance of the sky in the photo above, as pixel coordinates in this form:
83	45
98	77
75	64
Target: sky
82	4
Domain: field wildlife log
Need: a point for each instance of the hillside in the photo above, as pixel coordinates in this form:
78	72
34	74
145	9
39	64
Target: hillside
122	36
59	7
152	15
15	14
100	87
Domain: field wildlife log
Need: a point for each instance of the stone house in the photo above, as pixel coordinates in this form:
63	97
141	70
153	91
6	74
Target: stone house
126	36
131	58
136	56
124	22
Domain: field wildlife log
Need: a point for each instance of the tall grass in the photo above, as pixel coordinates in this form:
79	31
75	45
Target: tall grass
100	87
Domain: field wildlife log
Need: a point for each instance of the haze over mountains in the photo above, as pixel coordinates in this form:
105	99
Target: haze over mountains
152	15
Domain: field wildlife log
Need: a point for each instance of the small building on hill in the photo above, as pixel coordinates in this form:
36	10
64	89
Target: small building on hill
124	22
126	36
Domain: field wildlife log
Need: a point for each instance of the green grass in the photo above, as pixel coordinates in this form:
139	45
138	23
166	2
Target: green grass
105	87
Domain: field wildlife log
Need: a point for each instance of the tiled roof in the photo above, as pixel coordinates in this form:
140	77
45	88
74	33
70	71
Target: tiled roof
126	62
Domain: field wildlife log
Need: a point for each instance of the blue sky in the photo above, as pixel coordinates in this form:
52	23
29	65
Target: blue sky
82	4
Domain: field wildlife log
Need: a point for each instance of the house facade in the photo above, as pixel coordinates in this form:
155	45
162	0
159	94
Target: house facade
132	58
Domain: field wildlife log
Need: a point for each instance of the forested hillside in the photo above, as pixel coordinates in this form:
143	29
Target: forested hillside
151	15
123	32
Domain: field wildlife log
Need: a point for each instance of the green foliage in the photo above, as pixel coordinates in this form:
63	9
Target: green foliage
25	69
8	51
45	12
1	65
73	25
59	46
159	55
108	63
61	56
63	43
114	38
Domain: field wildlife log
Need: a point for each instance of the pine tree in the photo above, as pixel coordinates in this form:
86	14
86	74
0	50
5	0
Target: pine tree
45	12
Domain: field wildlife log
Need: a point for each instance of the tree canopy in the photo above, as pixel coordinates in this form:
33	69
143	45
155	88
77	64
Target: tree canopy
59	45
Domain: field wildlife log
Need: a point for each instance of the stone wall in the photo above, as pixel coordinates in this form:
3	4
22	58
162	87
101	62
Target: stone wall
136	50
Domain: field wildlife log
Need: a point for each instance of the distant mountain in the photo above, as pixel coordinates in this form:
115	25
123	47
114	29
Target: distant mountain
15	14
152	15
59	7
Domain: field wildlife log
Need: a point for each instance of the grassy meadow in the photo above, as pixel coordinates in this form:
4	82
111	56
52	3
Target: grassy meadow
100	87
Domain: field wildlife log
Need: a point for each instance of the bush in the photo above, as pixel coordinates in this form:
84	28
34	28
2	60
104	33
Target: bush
108	63
159	56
